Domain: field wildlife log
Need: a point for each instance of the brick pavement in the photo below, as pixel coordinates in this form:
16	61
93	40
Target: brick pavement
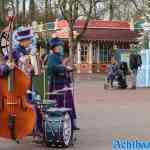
103	115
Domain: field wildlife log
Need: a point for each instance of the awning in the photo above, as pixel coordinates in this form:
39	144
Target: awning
64	35
110	35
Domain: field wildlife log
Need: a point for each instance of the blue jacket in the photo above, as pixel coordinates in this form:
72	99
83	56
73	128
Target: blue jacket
56	70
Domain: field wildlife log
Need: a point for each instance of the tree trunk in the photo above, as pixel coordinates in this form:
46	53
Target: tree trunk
46	10
111	10
50	4
17	11
95	9
32	10
3	10
24	11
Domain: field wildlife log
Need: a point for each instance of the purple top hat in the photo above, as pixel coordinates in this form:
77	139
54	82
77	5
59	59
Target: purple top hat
24	33
55	42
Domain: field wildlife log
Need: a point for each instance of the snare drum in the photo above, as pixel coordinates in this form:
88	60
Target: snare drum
58	127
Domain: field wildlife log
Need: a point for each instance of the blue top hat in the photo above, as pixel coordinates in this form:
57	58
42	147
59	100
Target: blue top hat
55	42
24	33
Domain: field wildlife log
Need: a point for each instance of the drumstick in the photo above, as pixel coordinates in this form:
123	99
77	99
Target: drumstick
57	91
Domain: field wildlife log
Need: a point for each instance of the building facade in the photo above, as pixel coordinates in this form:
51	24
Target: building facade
98	42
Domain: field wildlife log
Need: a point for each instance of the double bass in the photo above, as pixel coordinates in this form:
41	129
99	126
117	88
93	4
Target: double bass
17	116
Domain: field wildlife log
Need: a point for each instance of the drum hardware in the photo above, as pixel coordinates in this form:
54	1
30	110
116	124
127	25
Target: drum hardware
58	91
45	105
54	93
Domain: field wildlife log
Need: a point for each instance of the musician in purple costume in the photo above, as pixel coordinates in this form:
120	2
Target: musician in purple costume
24	37
58	73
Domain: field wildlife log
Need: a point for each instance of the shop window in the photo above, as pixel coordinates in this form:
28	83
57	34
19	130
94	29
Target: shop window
84	53
94	51
105	56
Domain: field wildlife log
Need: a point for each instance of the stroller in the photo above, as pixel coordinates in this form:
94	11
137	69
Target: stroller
117	76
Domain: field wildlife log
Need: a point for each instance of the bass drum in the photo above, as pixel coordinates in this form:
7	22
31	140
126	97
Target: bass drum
58	128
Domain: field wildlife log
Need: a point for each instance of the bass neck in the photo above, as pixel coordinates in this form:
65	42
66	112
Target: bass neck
11	75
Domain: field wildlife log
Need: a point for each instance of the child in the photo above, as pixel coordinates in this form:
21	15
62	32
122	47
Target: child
112	71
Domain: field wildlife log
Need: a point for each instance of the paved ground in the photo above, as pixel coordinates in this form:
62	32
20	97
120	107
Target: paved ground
103	116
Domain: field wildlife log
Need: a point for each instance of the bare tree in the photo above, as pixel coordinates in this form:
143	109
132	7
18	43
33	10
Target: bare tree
32	10
17	10
111	10
24	10
147	10
71	10
3	12
46	10
119	9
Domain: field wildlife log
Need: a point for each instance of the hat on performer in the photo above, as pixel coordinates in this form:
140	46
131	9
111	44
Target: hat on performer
55	42
24	33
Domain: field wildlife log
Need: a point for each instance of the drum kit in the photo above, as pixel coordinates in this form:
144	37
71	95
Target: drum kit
57	123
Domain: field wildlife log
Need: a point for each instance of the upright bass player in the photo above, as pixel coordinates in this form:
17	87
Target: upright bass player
20	56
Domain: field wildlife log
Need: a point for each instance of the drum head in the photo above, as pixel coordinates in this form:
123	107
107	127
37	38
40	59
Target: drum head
58	130
67	129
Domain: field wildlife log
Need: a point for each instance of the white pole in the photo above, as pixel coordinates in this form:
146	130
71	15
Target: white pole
98	57
90	57
78	57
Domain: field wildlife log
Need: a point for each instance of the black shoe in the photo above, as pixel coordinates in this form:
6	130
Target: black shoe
133	88
76	128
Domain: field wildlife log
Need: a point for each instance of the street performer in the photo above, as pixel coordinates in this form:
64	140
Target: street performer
20	55
21	59
58	73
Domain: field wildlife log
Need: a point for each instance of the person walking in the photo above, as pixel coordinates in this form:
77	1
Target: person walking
135	62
